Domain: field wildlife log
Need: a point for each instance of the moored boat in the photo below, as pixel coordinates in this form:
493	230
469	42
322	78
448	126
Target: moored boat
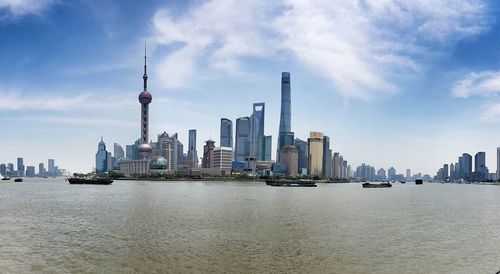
382	185
5	178
419	181
89	181
18	180
291	183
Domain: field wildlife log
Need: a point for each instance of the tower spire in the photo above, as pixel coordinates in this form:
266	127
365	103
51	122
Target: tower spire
145	77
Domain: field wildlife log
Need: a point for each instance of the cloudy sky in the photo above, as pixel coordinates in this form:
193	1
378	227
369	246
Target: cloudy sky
409	84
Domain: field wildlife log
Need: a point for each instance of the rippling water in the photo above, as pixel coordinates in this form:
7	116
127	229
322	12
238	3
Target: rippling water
47	225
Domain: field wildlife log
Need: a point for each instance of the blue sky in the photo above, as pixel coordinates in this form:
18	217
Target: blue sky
409	84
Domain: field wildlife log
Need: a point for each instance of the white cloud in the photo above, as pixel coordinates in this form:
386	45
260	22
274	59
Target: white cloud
484	83
12	100
17	8
82	121
359	45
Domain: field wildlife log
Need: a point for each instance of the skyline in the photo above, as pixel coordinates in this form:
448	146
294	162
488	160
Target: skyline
452	113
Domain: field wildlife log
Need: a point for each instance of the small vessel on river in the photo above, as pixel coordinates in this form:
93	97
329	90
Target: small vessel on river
419	181
291	183
5	178
382	185
89	181
18	179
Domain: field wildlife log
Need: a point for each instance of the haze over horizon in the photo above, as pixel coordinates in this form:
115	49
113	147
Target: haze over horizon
409	84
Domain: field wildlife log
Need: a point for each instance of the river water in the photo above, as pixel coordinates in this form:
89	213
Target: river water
47	225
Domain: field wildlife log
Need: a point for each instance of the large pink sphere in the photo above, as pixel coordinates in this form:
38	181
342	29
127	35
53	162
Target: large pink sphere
145	97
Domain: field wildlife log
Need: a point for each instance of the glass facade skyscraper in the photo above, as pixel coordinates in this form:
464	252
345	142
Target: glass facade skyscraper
226	133
100	159
327	157
302	150
286	112
264	148
20	167
242	146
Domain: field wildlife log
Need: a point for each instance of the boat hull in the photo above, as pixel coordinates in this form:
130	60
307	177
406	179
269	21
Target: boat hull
383	185
90	181
291	183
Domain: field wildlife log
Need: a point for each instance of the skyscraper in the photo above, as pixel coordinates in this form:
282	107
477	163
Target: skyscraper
466	166
242	146
498	163
20	167
257	130
259	111
391	173
302	151
445	172
41	170
336	165
208	154
118	151
226	133
286	112
51	166
480	169
315	143
264	148
145	99
192	152
289	159
327	157
408	174
100	158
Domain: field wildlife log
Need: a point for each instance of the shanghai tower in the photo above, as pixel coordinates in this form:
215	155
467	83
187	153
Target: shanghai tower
286	135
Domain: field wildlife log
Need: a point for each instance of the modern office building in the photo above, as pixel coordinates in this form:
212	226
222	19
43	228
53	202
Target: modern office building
51	166
118	151
336	165
208	154
466	167
192	156
302	150
41	170
242	145
3	170
222	159
259	111
480	169
20	167
226	133
408	174
391	173
452	171
100	158
257	130
145	98
264	148
445	173
327	157
381	175
289	158
315	144
163	147
30	171
286	112
498	163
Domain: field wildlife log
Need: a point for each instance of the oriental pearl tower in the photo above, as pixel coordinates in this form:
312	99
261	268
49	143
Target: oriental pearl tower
145	99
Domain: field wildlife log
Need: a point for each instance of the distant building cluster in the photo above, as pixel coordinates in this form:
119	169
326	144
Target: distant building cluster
366	172
8	170
469	170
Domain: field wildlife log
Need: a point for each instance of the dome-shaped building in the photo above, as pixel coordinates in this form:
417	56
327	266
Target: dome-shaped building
158	163
116	166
